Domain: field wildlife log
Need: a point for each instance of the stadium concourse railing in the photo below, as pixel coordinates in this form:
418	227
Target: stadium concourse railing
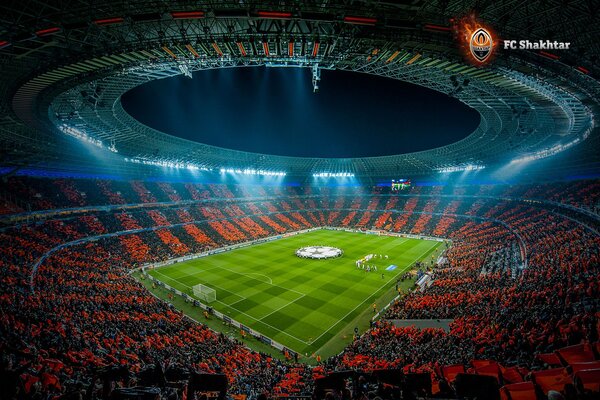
225	318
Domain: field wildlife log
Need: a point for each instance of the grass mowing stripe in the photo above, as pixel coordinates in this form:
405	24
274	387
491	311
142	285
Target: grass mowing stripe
241	312
377	291
305	298
283	306
334	344
238	273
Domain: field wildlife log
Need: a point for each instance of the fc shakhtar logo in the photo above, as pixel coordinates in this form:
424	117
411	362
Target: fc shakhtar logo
477	42
481	45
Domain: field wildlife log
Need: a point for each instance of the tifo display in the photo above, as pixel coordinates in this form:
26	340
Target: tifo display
300	200
215	249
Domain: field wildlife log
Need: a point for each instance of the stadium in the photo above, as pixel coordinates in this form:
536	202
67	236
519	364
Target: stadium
303	200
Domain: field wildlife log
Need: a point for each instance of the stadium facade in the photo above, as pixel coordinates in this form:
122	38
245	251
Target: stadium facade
64	74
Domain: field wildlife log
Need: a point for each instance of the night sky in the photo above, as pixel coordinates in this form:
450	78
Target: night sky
273	111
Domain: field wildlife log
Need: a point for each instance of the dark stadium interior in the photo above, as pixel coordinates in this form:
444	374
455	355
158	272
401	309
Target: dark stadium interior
143	137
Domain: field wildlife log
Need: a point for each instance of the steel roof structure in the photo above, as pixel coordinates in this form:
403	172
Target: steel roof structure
65	65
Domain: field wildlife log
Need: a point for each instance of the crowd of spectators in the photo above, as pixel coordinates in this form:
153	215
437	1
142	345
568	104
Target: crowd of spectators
81	312
23	193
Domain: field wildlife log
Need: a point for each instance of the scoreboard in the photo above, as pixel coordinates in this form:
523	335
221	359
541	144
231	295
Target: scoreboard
400	184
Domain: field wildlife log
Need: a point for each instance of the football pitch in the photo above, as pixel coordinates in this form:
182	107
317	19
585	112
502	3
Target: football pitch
298	302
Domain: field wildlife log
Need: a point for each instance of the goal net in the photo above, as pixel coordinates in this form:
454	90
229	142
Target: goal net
204	293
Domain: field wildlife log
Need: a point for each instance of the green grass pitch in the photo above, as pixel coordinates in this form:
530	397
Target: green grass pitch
300	303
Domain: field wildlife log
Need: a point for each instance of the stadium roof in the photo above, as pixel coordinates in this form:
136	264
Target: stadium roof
65	66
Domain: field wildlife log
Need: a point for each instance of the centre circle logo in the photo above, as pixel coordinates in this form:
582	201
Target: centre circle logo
319	252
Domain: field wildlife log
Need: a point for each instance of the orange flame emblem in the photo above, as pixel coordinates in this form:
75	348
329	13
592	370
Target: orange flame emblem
481	44
477	42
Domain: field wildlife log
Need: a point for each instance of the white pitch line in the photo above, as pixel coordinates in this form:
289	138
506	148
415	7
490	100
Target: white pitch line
170	278
237	301
253	273
243	274
381	287
256	273
190	287
269	325
302	295
283	306
241	312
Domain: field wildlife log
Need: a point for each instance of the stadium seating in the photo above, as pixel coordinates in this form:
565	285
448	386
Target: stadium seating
80	310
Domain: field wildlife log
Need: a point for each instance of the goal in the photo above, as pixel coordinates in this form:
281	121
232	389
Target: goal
204	293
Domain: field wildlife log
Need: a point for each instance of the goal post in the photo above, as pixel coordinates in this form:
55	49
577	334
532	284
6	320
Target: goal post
204	293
